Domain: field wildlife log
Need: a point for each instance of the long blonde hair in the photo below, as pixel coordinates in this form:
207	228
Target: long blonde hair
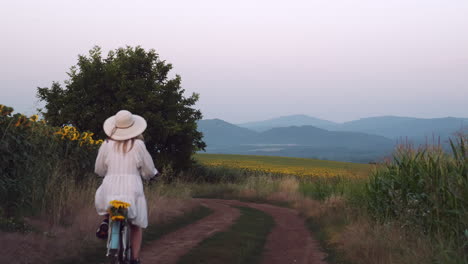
123	145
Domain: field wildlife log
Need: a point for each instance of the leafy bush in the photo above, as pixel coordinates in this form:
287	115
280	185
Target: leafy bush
137	80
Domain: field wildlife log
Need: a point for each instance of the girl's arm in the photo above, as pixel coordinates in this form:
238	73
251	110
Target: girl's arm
145	162
100	168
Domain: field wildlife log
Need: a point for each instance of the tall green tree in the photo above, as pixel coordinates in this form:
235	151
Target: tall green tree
132	79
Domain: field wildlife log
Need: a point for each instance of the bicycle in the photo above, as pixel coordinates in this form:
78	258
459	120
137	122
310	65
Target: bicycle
119	249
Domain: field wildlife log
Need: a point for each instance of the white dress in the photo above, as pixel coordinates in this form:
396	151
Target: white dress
122	174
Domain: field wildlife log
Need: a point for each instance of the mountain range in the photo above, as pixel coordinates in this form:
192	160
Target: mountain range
388	126
287	121
363	140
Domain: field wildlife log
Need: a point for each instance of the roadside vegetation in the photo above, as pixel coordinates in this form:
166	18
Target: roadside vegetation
41	164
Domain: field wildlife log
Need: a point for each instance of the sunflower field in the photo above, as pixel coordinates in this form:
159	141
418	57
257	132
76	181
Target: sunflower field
39	161
286	165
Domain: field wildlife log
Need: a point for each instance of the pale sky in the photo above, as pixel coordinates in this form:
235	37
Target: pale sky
256	59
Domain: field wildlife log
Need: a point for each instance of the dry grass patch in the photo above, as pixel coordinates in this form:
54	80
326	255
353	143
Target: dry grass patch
351	236
365	242
50	241
68	230
287	191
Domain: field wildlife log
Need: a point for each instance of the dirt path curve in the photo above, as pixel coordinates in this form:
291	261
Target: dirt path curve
289	241
172	246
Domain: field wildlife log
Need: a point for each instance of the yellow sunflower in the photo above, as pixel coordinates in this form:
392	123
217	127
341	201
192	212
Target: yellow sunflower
34	118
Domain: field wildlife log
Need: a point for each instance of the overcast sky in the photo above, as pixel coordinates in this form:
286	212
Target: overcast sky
254	59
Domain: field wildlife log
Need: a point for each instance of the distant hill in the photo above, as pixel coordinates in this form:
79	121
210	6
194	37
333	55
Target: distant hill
321	138
217	132
416	129
295	141
393	127
287	121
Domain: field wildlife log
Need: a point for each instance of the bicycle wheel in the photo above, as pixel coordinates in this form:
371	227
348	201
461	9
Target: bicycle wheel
118	256
124	253
114	256
126	246
115	243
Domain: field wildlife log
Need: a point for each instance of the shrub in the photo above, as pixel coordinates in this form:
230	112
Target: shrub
137	80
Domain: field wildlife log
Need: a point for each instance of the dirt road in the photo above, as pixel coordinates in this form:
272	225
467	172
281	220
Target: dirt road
288	242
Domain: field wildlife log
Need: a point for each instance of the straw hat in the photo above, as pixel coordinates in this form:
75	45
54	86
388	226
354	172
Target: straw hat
124	125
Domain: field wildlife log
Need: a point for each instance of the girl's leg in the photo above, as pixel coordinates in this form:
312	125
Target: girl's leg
103	228
136	237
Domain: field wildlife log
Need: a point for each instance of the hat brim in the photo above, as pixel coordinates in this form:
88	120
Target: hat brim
136	129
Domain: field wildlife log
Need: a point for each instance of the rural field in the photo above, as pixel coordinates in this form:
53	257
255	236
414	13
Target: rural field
286	165
235	208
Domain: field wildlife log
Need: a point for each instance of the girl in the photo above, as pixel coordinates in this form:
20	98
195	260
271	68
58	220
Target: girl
123	160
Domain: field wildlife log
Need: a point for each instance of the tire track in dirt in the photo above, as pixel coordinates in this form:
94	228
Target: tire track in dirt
172	246
289	241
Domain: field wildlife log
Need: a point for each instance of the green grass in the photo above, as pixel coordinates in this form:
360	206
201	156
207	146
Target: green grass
242	243
95	252
321	188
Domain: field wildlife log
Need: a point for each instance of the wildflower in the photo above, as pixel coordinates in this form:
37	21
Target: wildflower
84	135
5	110
20	121
119	204
75	136
99	142
34	118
